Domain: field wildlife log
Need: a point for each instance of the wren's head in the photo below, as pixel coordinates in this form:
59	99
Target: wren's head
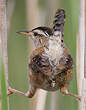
42	35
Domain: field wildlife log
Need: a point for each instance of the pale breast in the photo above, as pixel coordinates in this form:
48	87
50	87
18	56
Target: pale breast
55	51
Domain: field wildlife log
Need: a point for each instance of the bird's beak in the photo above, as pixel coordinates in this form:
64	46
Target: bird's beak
26	33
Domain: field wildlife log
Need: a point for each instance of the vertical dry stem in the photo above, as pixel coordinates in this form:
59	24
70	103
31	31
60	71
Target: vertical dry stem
81	56
4	36
40	100
3	28
85	41
0	47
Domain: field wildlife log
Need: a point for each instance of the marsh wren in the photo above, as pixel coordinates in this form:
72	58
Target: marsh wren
51	64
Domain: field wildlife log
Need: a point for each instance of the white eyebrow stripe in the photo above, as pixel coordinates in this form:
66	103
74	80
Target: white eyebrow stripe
41	32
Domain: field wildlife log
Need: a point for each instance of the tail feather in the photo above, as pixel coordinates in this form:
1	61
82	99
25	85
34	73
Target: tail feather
59	21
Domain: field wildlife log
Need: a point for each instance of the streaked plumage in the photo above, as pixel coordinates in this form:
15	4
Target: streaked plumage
51	64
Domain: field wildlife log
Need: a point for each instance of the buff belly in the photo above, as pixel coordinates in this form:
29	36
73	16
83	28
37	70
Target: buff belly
51	83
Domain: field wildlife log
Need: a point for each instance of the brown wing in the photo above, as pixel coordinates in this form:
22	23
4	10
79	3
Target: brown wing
66	62
40	64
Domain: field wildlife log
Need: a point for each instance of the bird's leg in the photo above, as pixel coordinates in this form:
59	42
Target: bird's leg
65	92
29	94
11	91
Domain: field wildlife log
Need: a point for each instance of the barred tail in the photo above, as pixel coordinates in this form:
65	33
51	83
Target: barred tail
59	21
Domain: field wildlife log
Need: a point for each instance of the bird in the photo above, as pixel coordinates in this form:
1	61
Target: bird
51	63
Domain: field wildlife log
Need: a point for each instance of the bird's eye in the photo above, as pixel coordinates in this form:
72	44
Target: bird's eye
61	40
35	33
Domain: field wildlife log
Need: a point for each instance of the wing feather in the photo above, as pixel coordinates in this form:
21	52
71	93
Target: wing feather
40	64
